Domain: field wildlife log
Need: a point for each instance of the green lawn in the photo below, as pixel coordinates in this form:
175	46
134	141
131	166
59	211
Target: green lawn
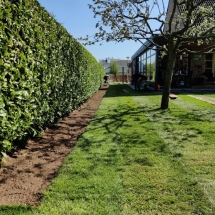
137	159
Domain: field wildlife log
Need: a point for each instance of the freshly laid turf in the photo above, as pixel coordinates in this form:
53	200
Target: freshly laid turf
137	159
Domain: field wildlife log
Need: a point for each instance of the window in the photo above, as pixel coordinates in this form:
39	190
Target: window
208	62
144	63
181	65
151	66
147	65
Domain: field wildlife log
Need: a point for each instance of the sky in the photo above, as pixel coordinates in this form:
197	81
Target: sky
78	19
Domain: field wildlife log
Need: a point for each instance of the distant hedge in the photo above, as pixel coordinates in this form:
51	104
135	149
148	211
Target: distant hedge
44	72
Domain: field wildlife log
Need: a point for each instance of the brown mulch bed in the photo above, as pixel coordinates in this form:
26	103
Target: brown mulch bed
28	172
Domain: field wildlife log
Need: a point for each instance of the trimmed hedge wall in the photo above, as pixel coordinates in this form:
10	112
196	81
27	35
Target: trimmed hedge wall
44	72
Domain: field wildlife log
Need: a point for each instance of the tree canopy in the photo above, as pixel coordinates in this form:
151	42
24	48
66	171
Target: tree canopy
114	68
183	22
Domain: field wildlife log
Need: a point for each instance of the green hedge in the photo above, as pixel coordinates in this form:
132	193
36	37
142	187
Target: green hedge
44	72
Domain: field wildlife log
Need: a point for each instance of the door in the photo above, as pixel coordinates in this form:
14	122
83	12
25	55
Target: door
209	66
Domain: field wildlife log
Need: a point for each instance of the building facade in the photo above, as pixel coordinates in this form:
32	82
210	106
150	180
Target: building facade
190	69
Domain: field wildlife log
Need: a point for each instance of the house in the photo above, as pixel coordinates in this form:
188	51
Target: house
124	69
123	64
191	70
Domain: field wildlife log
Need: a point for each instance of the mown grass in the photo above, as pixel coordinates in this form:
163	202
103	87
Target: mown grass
137	159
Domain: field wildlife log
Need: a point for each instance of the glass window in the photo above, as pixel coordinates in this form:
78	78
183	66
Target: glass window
147	64
151	66
141	67
148	53
144	67
153	52
208	63
208	56
148	70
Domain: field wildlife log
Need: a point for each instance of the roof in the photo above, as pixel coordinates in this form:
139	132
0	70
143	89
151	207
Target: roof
207	2
147	45
141	49
181	9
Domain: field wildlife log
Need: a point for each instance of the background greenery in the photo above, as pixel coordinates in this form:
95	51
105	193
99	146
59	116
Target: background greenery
114	68
44	72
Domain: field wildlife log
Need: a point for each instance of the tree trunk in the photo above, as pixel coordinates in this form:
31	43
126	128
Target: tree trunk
168	77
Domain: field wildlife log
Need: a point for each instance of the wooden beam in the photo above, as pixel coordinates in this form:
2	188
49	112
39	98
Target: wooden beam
173	96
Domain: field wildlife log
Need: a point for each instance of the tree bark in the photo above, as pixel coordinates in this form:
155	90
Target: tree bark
168	77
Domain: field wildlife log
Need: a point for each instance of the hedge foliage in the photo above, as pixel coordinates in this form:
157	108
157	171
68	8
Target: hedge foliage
44	72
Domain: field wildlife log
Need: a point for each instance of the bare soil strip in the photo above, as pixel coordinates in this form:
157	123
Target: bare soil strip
28	172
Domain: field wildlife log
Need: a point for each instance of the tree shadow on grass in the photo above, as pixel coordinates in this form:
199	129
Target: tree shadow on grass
13	210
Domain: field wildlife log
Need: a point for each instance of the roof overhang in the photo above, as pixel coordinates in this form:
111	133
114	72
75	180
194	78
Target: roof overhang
149	43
